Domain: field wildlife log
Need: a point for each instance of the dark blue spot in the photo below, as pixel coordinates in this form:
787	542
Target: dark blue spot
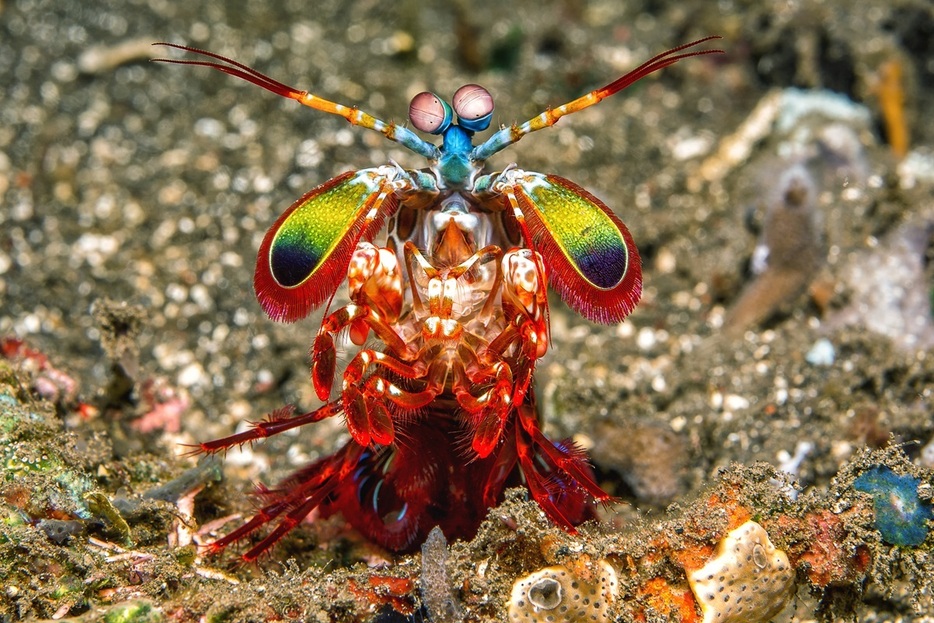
291	264
606	267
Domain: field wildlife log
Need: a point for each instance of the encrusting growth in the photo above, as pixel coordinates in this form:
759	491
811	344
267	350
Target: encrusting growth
557	595
748	580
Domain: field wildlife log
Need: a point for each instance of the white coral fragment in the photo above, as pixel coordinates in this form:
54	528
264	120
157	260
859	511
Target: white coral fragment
748	581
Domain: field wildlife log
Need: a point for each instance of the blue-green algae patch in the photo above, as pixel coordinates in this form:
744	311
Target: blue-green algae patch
901	516
36	474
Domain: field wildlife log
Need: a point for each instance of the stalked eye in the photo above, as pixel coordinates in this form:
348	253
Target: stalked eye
429	113
474	107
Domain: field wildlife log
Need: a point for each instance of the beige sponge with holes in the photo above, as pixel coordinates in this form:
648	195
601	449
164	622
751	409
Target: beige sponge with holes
747	581
557	595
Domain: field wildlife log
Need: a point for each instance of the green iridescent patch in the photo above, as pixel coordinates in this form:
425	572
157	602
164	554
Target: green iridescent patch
587	237
311	232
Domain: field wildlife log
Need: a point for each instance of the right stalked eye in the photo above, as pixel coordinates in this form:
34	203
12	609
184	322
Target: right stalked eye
429	113
474	107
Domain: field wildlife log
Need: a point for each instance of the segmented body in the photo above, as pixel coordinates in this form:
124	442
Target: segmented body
440	412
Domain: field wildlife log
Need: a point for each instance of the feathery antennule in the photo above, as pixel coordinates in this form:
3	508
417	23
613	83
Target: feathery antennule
352	114
233	68
657	62
512	134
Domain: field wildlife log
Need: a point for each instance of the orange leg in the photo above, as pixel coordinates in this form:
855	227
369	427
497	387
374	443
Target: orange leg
374	277
538	484
324	356
490	409
368	420
525	334
503	466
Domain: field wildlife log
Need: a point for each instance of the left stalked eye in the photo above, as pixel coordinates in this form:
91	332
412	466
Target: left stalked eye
474	107
429	113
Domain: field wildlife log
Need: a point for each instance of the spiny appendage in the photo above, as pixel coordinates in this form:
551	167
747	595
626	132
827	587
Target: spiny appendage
564	487
297	496
557	475
293	500
276	422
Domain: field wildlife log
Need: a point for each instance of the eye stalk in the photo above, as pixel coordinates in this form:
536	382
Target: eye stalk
473	106
429	113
